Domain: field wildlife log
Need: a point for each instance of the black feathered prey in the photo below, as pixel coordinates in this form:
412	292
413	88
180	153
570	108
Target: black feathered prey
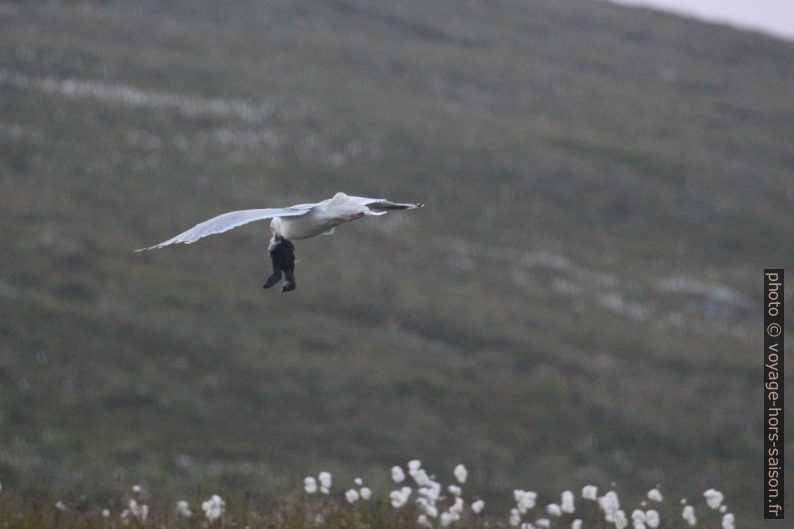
282	255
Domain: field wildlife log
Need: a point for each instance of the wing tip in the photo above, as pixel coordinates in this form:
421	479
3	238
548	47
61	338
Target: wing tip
164	244
155	247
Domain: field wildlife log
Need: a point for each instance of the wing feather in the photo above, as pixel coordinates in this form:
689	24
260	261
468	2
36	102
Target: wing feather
381	205
231	220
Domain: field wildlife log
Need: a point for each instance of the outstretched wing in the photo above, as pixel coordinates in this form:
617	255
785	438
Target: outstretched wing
381	206
230	220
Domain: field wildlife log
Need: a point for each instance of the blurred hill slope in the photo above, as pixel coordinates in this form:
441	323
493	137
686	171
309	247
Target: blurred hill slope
578	302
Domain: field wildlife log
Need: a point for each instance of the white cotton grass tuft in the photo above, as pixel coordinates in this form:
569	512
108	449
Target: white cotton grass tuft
620	519
723	508
590	492
688	514
424	522
477	506
428	487
544	523
105	513
418	474
400	497
525	500
461	473
609	501
713	498
396	499
365	493
426	507
309	485
567	502
182	508
455	490
60	506
553	510
655	495
397	474
431	493
139	511
638	519
652	518
576	524
515	518
214	508
610	504
352	496
728	521
326	481
421	478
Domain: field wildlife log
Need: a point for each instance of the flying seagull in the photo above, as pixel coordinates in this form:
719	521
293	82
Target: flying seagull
301	221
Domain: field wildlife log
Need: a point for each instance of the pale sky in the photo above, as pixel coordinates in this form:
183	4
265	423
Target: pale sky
771	16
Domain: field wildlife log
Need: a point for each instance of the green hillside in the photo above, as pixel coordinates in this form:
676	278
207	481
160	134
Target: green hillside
579	301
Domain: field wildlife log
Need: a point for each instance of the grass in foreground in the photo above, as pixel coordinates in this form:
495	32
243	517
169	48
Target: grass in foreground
418	500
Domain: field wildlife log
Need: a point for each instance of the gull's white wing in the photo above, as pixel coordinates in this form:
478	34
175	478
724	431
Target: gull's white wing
230	220
381	206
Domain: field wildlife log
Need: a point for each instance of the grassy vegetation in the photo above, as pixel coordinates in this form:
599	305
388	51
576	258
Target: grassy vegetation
577	303
429	505
293	513
288	514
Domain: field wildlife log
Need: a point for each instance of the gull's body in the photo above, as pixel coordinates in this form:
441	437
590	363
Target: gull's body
301	221
321	218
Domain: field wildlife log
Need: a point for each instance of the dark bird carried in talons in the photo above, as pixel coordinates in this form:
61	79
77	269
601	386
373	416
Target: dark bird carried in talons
301	221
